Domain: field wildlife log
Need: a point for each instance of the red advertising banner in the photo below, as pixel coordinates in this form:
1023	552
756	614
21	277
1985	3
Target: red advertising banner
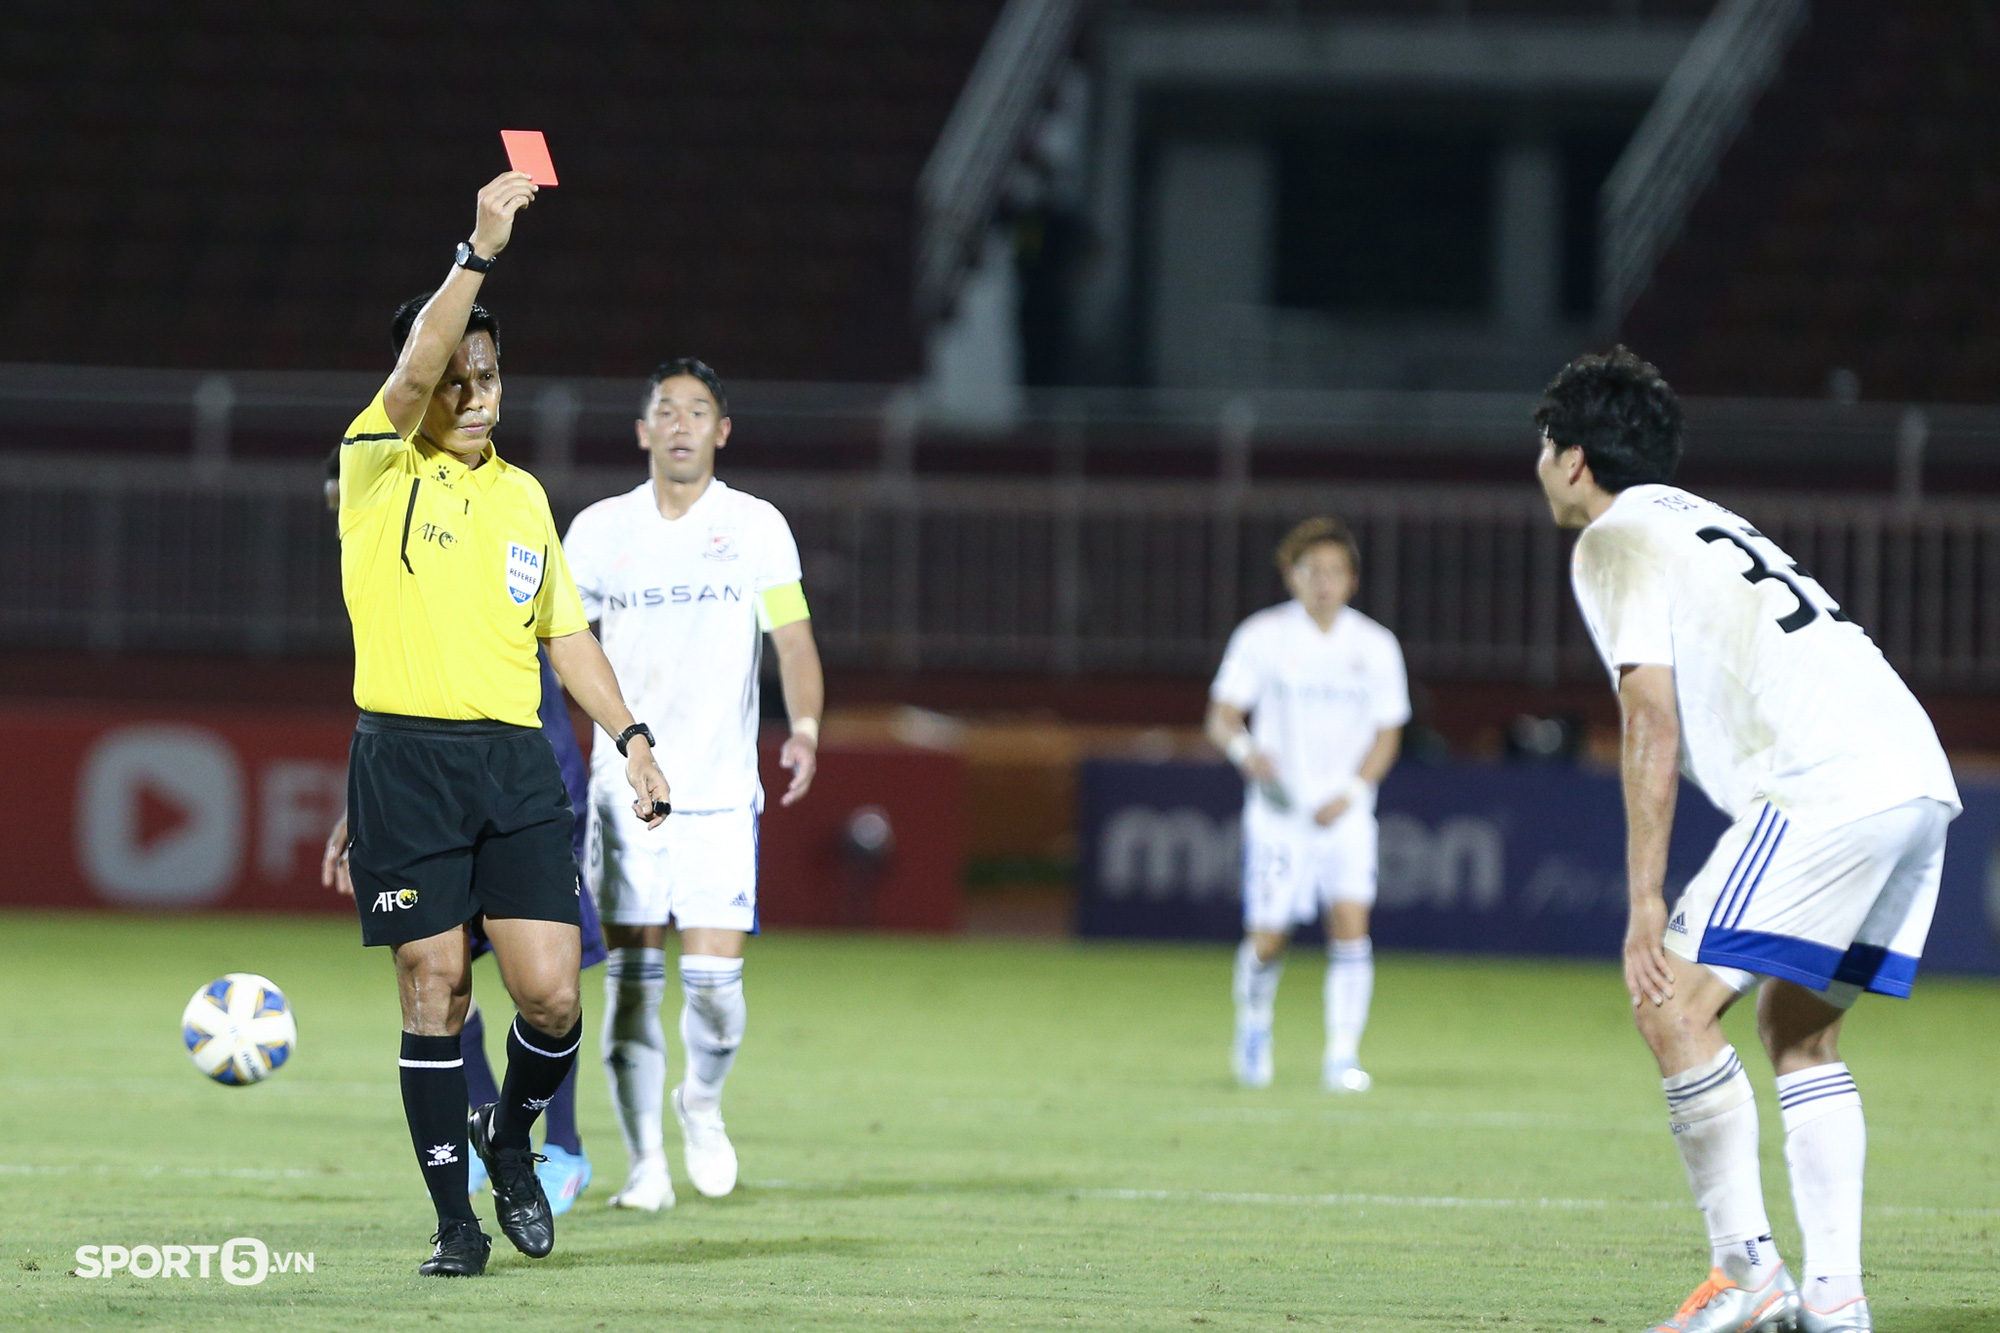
879	842
159	808
170	808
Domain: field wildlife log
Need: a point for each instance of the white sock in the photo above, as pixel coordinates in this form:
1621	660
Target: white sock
1826	1147
1254	986
1350	984
1713	1112
635	1047
712	1021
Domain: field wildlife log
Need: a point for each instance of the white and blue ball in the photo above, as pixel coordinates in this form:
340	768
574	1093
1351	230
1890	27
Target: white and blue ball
239	1029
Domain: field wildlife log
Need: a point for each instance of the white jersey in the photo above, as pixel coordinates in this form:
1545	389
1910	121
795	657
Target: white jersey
676	602
1316	699
1782	698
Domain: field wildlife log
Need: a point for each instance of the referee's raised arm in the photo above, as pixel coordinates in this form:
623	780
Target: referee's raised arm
436	334
460	824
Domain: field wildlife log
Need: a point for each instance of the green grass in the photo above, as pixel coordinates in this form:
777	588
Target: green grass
963	1134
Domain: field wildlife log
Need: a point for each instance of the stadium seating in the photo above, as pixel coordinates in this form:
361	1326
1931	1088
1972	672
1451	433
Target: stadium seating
212	185
1850	227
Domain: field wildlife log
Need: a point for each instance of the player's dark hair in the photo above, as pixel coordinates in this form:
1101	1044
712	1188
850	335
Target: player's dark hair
1317	532
690	366
1620	412
481	320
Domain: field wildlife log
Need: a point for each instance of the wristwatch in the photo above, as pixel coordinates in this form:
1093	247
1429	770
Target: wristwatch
465	258
636	729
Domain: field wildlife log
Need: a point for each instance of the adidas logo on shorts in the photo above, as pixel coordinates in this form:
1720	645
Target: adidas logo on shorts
1679	925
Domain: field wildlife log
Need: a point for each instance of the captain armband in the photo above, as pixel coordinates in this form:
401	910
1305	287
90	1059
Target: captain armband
781	606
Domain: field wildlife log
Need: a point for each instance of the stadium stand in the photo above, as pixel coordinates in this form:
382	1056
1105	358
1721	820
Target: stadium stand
213	186
1887	118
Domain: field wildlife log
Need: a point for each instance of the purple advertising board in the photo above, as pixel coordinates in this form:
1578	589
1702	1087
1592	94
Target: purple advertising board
1518	859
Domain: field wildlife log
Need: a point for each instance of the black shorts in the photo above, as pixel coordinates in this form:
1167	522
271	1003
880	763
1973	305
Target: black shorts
449	821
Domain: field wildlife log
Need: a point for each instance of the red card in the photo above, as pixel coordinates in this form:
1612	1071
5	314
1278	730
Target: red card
528	151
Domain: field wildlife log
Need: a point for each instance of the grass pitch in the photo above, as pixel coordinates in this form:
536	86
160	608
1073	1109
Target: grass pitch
961	1134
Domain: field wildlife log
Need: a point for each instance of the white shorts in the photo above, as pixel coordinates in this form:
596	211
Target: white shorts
698	870
1841	911
1293	868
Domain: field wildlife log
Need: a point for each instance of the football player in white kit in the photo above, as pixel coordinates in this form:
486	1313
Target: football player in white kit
1324	694
1733	665
685	576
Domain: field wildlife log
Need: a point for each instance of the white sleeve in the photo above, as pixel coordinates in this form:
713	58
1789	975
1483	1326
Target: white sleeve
777	552
580	548
1623	588
1240	679
1391	701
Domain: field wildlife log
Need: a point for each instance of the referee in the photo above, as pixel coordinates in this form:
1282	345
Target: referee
452	572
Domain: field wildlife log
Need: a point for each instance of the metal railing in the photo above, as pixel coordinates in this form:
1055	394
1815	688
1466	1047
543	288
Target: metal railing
1735	54
1059	575
216	418
990	121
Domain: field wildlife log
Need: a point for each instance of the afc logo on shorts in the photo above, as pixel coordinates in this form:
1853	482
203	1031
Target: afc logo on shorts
524	573
400	901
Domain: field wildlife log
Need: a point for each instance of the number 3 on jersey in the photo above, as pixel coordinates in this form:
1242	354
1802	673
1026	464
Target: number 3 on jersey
1809	607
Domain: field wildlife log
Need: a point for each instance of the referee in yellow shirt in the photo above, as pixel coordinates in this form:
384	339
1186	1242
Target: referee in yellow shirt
453	571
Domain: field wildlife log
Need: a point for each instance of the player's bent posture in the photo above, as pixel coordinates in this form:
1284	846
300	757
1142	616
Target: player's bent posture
1731	662
1323	690
452	574
685	576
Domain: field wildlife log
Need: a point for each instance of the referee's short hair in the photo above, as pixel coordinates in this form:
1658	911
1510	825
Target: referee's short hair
692	367
1317	531
481	320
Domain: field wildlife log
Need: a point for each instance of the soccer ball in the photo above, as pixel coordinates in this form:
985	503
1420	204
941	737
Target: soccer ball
239	1029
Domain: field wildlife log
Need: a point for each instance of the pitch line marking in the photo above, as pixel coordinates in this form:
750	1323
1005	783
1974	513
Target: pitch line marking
1441	1201
1448	1201
1117	1195
1348	1200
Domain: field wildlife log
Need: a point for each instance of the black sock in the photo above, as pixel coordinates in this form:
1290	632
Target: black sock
479	1085
537	1063
433	1075
561	1120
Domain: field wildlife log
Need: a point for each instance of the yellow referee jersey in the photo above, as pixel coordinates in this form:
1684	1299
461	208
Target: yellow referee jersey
451	575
